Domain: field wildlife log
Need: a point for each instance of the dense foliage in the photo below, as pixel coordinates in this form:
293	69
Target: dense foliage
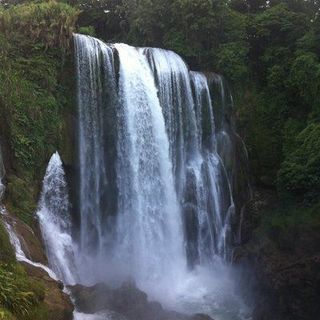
35	75
20	296
32	42
300	172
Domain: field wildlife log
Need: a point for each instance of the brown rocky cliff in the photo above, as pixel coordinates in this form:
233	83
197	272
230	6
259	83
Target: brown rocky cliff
56	302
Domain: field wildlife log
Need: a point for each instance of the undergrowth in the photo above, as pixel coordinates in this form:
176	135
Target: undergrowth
18	293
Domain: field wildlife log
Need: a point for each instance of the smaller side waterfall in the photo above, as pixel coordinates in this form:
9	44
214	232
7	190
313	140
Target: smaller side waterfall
55	221
20	255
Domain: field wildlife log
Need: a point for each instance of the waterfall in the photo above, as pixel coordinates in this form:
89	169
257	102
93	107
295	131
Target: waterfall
149	227
156	160
55	222
158	177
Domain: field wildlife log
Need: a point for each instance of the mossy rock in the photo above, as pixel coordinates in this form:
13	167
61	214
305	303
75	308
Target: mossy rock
31	295
36	118
6	251
21	198
55	304
19	294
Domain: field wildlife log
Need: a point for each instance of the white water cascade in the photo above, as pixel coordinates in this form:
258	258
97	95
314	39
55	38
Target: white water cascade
55	221
158	198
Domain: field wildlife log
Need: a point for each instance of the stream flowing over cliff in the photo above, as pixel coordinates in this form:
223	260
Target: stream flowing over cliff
161	182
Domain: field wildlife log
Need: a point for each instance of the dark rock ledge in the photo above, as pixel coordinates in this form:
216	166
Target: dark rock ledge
127	300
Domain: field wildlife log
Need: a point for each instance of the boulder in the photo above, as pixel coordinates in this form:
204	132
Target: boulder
127	300
56	302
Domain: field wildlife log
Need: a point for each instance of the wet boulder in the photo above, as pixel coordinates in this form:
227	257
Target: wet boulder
126	300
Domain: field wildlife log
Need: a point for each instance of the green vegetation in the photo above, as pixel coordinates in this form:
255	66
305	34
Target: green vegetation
19	295
35	57
6	252
34	40
294	229
50	24
300	172
21	199
89	31
35	76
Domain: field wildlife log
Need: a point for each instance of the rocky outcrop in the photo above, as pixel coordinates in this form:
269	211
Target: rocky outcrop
287	287
126	300
56	302
282	264
29	239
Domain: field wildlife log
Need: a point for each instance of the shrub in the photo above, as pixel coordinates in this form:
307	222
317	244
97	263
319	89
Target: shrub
89	31
300	172
21	197
51	23
33	101
18	294
291	226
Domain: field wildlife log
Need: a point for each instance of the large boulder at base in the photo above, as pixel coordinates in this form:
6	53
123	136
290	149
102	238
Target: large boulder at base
57	303
126	300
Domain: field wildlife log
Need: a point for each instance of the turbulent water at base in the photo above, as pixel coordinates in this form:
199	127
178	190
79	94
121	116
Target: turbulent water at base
158	182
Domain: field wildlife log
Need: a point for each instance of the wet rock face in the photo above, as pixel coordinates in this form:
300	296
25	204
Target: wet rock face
31	245
126	300
29	239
